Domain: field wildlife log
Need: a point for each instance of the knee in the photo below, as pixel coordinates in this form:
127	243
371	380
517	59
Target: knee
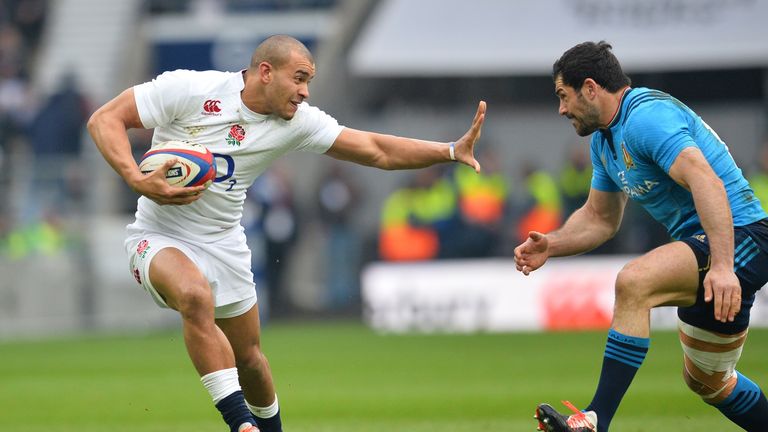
712	388
630	285
195	301
252	360
710	362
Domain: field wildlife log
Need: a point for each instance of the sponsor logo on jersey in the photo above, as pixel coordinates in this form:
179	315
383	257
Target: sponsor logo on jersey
638	189
211	107
194	131
236	135
628	161
137	275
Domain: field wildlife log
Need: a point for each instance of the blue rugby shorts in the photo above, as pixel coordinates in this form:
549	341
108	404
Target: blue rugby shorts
751	267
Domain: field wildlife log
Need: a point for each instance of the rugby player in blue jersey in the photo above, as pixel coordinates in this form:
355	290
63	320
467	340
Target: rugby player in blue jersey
649	147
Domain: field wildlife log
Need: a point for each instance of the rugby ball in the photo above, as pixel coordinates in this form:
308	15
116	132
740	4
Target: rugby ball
195	164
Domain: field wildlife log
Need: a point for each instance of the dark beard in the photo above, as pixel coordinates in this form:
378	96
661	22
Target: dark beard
589	123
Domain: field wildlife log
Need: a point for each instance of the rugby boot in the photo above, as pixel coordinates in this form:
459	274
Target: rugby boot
552	421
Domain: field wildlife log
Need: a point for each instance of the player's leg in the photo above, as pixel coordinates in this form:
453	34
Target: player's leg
710	372
712	348
184	288
667	275
244	334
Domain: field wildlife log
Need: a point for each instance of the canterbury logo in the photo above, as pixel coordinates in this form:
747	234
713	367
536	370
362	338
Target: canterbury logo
211	106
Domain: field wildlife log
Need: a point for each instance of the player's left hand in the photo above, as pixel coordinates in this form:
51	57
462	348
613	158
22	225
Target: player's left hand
722	286
465	146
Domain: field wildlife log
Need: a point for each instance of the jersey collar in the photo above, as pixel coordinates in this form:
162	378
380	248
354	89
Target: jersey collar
620	108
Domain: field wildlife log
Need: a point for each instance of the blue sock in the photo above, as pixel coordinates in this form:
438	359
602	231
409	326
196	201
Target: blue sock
623	357
234	410
272	424
746	405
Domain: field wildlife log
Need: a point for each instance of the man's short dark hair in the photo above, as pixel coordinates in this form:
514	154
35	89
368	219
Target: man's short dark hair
591	60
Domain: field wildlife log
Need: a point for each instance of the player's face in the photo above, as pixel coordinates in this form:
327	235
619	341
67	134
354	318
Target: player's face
584	115
290	86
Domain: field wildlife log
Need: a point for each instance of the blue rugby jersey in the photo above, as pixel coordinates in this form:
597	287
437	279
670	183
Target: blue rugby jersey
634	155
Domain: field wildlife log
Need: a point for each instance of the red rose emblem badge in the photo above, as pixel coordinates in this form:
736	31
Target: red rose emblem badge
236	135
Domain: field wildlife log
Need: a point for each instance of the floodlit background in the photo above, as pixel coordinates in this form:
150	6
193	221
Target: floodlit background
389	299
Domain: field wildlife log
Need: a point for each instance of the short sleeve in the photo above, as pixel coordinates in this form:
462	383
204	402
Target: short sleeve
658	132
318	129
162	100
600	178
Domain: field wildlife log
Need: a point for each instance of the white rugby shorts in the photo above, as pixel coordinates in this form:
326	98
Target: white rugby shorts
226	264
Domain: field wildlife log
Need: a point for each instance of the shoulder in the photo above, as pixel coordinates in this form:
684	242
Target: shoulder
308	114
198	82
654	112
652	106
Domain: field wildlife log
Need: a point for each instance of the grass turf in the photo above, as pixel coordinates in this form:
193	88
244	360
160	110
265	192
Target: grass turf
342	377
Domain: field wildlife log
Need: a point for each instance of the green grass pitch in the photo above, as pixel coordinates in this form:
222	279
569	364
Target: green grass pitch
342	377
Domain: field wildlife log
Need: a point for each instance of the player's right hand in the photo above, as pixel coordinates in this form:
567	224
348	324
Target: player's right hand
465	146
533	253
155	187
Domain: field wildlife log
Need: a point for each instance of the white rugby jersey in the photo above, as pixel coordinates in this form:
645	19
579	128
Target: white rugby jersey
205	107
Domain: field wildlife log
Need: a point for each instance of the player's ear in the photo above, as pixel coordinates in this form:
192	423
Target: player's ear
590	87
265	72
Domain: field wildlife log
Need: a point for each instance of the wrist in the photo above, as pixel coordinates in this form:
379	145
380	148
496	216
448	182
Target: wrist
452	150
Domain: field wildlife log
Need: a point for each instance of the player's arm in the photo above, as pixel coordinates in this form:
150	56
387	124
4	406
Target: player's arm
593	224
596	222
391	152
108	127
692	171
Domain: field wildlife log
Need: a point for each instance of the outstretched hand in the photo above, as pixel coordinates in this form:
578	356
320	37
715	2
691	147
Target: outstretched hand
155	187
533	253
465	146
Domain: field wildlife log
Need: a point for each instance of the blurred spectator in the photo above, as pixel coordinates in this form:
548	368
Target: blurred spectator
167	6
55	135
483	206
576	178
543	209
276	219
12	51
16	108
29	16
16	103
416	217
237	6
336	199
759	178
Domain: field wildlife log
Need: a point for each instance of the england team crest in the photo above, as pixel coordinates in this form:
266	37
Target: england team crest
236	135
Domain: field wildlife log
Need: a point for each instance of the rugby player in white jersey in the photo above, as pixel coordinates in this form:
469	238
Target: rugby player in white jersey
187	247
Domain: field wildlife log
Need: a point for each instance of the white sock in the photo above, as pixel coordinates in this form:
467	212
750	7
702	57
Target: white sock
264	412
221	384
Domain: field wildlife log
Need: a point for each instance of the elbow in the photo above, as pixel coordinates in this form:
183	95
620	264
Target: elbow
93	123
381	162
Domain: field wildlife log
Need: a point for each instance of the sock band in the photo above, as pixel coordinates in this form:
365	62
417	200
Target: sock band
221	384
264	412
743	397
629	350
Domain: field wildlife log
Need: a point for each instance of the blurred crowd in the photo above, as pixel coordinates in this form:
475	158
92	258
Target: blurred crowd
185	6
443	212
40	136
